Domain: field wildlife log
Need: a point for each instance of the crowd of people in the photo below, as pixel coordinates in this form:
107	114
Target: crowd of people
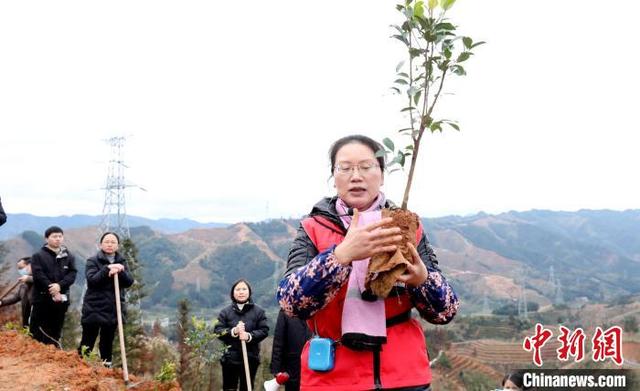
375	343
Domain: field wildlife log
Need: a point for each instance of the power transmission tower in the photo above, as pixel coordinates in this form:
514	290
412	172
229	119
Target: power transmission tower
114	211
523	311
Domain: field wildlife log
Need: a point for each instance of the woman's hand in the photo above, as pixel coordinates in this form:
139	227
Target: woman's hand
416	273
367	241
244	336
115	268
239	329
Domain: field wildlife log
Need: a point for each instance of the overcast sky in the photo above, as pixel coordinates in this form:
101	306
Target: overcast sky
230	107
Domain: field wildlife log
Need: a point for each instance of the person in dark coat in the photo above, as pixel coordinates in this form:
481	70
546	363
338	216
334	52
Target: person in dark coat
99	305
24	292
240	321
54	271
289	338
3	216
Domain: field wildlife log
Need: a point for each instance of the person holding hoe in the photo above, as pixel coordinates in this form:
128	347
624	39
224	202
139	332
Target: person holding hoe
242	326
99	312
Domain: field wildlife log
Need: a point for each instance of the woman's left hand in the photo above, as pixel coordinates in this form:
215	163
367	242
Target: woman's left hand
416	273
244	336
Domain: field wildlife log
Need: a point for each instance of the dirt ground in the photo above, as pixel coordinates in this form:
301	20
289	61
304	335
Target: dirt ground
28	365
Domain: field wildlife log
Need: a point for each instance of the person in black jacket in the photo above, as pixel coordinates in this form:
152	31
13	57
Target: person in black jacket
3	216
24	292
54	271
289	338
240	321
99	305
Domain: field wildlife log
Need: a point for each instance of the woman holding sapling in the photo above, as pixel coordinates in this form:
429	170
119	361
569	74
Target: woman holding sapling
329	281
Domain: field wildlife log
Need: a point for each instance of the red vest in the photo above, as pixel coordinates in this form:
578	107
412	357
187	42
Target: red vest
403	360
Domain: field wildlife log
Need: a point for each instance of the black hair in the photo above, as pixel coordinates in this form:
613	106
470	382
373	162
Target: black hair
26	260
516	378
53	230
110	233
357	139
234	287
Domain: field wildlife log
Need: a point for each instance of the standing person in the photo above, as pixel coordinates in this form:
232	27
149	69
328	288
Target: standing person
99	305
25	291
240	321
289	338
54	271
3	216
381	345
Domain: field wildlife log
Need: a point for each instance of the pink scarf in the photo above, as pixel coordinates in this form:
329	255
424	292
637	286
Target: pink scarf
360	318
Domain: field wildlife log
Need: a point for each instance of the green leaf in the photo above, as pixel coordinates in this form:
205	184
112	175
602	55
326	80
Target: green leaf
419	9
388	143
401	39
458	70
454	125
399	66
400	81
446	4
396	89
381	153
467	42
413	52
445	26
477	44
416	97
407	109
404	130
432	4
403	74
464	56
400	158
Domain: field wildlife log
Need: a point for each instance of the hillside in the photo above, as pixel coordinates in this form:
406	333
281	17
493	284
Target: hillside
26	365
485	256
20	222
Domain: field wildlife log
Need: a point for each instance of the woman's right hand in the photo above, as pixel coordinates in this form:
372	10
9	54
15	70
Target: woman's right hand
367	241
115	268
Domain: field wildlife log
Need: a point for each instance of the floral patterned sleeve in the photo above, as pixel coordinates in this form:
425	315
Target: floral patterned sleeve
312	286
435	299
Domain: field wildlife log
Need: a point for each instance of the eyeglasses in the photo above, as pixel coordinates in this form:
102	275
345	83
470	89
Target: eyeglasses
364	168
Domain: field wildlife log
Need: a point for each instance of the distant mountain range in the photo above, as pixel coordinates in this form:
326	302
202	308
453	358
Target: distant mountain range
20	222
492	260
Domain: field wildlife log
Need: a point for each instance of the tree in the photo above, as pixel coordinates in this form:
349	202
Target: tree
183	327
434	53
630	324
207	349
156	329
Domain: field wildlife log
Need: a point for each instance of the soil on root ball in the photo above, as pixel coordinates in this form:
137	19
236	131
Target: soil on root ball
384	269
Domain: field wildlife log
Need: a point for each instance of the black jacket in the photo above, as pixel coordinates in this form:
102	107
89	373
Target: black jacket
303	250
99	304
3	216
255	322
22	295
289	338
49	268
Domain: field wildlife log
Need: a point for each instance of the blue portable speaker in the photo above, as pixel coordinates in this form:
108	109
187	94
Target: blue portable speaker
321	354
